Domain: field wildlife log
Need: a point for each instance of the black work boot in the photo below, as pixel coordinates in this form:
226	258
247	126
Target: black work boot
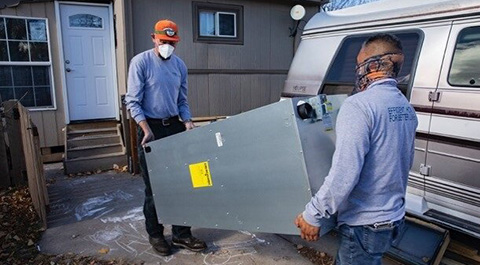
160	245
191	243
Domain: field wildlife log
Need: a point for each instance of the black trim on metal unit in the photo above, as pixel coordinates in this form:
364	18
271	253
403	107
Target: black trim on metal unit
293	95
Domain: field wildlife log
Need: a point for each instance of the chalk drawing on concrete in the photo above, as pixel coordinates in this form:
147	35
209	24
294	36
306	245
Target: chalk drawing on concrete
222	253
133	215
100	204
127	233
104	237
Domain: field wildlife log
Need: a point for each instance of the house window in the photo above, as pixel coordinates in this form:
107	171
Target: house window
340	78
464	70
218	23
25	64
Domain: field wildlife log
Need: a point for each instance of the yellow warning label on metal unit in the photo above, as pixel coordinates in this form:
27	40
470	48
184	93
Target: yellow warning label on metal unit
200	173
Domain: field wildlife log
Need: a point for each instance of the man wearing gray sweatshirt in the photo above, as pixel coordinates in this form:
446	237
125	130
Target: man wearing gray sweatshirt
374	152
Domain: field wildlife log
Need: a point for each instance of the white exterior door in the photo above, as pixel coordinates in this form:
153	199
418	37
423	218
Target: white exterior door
88	62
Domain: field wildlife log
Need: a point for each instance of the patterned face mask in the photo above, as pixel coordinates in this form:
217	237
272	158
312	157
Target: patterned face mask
378	67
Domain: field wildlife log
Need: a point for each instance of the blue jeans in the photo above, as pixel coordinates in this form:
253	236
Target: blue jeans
365	245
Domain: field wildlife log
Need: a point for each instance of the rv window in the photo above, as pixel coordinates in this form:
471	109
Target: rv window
464	70
25	64
218	23
340	78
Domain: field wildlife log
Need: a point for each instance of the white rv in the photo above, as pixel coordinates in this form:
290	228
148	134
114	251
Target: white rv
440	77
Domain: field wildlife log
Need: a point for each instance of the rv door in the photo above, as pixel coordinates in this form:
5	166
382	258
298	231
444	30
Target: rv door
452	187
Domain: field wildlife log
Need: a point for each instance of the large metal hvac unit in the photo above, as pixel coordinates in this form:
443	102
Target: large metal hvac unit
254	171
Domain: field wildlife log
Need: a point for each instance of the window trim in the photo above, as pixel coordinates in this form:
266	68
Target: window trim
49	63
237	10
421	38
477	86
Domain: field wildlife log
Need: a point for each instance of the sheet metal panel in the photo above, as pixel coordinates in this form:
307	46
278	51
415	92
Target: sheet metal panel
258	174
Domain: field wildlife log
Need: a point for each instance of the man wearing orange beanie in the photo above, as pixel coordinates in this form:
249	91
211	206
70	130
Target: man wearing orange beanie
157	98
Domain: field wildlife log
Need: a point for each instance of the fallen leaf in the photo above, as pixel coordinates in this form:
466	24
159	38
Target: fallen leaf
30	243
116	167
104	251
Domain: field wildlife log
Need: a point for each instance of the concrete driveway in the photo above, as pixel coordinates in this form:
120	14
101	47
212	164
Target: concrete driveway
101	215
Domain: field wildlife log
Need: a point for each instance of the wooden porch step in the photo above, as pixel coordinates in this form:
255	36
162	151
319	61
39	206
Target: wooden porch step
89	151
93	140
92	125
93	146
95	162
91	132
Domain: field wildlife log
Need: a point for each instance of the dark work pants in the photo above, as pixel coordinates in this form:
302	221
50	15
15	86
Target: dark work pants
154	228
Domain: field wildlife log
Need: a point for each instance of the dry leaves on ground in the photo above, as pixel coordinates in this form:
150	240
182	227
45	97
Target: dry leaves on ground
316	257
20	230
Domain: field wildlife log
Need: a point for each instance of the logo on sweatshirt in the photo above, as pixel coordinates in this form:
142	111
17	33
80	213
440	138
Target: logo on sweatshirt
401	114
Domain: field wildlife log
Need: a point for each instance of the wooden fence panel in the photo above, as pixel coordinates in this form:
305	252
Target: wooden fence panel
4	168
33	161
14	141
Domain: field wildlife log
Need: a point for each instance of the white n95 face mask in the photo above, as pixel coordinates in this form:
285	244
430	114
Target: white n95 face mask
165	50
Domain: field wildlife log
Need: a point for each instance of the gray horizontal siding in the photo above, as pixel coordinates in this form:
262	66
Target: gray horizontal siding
219	94
223	79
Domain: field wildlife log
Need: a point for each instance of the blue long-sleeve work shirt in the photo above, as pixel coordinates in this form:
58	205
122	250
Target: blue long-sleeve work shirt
373	155
157	88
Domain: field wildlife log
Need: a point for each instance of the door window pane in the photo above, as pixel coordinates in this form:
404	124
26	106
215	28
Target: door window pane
465	70
85	21
340	78
3	51
39	51
3	34
37	30
226	24
22	76
16	29
18	51
5	76
207	23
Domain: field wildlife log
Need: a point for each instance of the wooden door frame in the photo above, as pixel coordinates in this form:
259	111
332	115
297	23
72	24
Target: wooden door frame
62	57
